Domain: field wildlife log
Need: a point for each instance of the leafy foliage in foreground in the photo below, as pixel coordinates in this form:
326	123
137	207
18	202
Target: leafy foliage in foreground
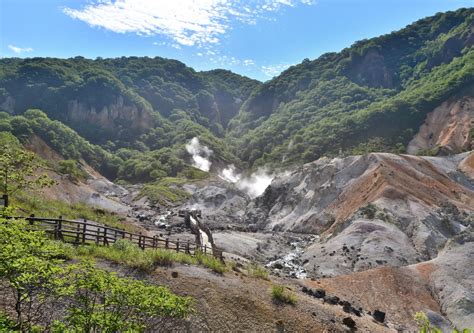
36	280
102	301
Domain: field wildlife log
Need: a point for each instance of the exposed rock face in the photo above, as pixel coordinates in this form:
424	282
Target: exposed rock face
450	279
447	127
323	194
371	70
395	233
96	190
110	117
373	210
8	105
220	201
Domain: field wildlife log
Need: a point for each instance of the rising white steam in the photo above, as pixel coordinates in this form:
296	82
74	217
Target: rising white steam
230	174
200	154
254	185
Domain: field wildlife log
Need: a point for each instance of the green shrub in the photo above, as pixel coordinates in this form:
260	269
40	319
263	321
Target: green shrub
71	167
6	324
42	207
257	271
211	262
28	269
282	294
93	300
105	302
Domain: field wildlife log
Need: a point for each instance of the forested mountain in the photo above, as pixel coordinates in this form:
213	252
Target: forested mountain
130	117
371	96
141	110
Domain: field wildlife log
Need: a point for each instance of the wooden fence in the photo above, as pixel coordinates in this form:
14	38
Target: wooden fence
83	232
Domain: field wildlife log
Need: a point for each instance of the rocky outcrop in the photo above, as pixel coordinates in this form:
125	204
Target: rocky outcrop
371	70
110	117
320	196
370	211
448	127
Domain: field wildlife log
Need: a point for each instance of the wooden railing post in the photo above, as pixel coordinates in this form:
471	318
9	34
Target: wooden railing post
177	245
166	243
187	248
78	233
84	230
97	237
31	219
205	249
59	228
155	242
106	242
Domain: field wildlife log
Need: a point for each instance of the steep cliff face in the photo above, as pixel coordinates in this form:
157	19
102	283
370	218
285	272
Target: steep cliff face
371	70
447	127
112	116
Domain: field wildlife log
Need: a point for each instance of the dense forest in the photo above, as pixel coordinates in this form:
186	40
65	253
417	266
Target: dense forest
131	117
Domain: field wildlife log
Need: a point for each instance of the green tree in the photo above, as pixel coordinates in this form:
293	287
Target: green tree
105	302
19	168
29	267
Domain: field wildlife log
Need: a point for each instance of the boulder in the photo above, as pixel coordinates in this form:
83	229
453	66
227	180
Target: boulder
379	316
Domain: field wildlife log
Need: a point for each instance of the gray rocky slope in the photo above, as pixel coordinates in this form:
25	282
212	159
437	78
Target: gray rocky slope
358	213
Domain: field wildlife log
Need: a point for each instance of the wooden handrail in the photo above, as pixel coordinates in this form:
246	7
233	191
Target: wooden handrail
83	232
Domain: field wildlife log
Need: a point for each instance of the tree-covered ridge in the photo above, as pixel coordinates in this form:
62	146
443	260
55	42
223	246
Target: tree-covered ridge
122	164
140	111
123	98
371	96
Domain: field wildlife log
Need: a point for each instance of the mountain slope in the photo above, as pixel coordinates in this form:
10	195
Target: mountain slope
120	99
371	96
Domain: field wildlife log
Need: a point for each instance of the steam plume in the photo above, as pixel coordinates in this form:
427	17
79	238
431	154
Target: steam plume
200	154
254	185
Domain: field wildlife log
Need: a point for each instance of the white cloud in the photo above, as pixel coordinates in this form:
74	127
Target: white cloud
186	22
274	70
19	50
248	62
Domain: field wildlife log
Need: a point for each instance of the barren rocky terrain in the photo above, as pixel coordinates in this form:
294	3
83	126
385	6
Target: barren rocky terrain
385	232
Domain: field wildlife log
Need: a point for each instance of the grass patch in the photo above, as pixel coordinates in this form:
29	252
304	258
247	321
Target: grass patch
282	294
41	207
126	253
165	191
211	262
257	271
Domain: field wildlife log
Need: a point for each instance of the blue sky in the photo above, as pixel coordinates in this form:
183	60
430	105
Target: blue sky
258	38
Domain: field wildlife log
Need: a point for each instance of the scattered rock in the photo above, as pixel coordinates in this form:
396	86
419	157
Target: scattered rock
277	265
379	316
331	300
319	293
347	309
349	322
174	274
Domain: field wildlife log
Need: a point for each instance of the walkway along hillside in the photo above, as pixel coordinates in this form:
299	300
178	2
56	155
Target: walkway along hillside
84	232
